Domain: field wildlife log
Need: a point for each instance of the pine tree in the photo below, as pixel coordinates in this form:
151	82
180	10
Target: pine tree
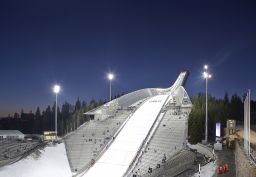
38	113
21	113
16	115
78	104
226	98
38	123
84	104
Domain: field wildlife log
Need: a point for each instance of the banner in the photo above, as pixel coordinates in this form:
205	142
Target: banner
247	123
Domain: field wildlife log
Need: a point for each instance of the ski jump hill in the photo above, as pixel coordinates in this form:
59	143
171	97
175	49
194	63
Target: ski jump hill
142	133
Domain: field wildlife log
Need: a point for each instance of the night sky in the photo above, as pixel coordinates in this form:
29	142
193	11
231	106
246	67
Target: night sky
145	43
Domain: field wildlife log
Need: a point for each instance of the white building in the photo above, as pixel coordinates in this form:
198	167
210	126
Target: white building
50	135
11	134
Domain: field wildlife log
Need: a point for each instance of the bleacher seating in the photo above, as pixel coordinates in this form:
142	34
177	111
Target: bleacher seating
10	149
205	150
168	139
181	161
86	143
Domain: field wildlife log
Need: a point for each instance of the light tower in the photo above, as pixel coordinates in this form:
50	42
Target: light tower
56	90
206	76
110	78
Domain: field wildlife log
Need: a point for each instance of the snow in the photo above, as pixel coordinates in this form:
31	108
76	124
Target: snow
252	134
207	171
117	158
50	161
202	149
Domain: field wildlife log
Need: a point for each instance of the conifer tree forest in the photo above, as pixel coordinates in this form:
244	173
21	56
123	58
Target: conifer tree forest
70	116
219	110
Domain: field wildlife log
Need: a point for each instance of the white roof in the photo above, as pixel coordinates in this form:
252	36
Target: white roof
10	132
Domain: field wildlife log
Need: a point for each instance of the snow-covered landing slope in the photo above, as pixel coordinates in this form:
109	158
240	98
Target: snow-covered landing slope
117	158
50	161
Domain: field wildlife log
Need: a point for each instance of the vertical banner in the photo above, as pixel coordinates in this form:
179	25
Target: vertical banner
247	124
218	128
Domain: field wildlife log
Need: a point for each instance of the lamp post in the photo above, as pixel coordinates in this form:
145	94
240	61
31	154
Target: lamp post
206	76
110	78
56	90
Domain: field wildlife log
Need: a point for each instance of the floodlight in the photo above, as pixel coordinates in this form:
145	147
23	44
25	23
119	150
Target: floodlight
56	89
205	74
110	76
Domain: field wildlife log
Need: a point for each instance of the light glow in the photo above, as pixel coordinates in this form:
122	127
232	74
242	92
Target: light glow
205	75
56	89
110	76
218	126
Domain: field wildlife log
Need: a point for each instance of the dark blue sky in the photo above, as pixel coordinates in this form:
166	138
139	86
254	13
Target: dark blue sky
145	43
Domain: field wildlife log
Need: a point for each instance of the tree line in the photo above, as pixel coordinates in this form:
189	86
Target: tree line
70	117
219	110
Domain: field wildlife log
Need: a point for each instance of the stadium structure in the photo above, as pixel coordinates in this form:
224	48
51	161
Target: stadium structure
142	133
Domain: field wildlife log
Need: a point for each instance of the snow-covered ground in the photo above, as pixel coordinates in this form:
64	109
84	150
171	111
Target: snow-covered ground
207	171
50	161
202	149
117	158
252	134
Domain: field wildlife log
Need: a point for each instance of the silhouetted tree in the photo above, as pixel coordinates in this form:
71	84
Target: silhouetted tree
236	107
16	115
78	104
21	112
38	122
84	104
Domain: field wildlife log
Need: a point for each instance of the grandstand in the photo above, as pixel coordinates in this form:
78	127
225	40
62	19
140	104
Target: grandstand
85	144
138	134
169	137
180	162
12	150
